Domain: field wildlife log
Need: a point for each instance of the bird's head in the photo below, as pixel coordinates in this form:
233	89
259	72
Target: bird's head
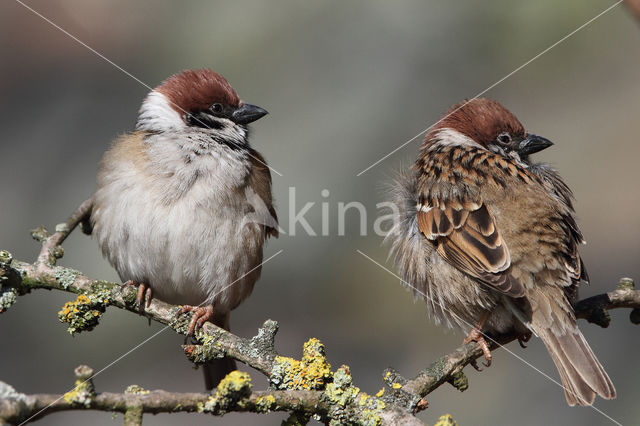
490	125
196	99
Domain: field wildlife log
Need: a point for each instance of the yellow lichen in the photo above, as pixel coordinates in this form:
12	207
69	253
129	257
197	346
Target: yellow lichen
380	393
396	386
84	312
446	420
312	372
136	390
341	391
82	393
265	403
232	391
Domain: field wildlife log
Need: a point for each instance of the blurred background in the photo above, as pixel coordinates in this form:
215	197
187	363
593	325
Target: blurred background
345	83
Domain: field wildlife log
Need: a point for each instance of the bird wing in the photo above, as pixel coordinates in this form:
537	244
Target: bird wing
260	183
466	235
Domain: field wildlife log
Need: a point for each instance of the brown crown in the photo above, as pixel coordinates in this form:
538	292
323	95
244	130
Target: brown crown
480	119
197	90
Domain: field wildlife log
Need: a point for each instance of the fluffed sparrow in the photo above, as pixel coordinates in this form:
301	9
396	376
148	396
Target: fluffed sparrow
490	239
175	209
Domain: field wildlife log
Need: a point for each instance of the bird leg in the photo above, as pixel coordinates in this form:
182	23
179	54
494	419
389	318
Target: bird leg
524	338
475	335
145	294
201	314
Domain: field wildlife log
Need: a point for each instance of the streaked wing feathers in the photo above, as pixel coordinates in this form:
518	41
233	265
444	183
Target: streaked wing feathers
466	235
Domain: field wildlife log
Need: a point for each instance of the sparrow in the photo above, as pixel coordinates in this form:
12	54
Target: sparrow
489	240
183	204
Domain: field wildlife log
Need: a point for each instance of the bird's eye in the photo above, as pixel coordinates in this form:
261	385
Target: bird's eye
504	138
217	108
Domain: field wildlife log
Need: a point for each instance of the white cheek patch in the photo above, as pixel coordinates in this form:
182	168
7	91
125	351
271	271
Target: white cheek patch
157	114
450	137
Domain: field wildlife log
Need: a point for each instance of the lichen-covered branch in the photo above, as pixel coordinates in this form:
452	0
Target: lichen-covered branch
304	387
233	394
448	369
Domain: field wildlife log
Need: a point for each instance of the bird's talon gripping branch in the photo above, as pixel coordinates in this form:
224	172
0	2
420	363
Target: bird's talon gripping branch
475	335
145	294
524	338
201	314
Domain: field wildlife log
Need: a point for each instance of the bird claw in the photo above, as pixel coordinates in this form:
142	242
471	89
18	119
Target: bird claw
200	316
475	335
523	338
421	406
145	294
475	366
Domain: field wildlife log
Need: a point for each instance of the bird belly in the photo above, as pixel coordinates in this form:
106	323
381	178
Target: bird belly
194	251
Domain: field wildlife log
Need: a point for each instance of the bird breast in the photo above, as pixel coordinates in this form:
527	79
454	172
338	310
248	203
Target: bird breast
173	217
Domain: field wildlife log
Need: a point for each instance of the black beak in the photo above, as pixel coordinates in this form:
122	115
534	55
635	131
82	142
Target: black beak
248	113
532	144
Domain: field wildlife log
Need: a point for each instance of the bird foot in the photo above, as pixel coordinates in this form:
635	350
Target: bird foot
524	338
475	335
201	314
421	406
145	294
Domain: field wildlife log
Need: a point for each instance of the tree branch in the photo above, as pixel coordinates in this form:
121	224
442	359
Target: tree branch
448	369
306	387
16	408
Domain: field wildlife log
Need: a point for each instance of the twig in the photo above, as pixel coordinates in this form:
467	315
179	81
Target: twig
51	244
17	407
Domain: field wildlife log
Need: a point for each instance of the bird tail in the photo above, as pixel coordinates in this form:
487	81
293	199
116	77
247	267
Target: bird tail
581	373
216	370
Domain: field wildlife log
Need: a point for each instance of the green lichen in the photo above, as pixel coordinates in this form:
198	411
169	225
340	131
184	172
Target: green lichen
313	372
233	391
62	227
210	347
40	233
8	296
459	381
265	403
341	391
180	323
5	258
65	276
7	392
436	369
136	390
129	295
626	284
370	414
209	406
57	252
446	420
84	313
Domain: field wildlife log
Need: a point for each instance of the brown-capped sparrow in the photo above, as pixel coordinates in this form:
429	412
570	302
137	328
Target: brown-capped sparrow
175	209
490	239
